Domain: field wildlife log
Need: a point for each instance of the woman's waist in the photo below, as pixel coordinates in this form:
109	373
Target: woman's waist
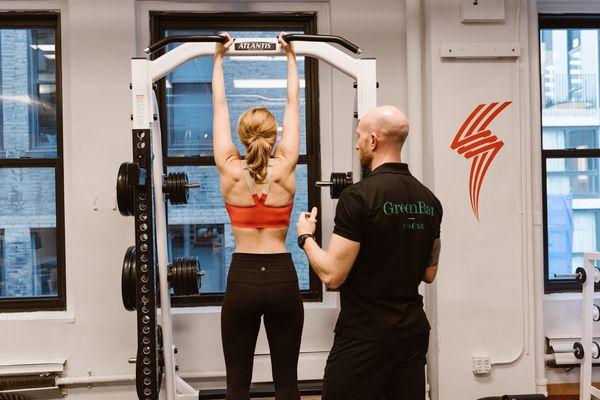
262	268
260	240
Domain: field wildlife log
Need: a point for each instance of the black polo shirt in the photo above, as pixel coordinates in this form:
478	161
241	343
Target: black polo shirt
396	219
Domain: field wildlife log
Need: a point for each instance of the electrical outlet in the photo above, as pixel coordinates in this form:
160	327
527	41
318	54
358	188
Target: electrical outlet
482	365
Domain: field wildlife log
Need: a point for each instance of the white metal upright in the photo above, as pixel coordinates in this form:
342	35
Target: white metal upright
586	390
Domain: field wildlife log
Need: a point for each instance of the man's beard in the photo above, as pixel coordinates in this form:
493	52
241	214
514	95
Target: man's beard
365	156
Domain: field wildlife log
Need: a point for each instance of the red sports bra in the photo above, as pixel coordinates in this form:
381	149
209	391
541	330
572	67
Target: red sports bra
259	215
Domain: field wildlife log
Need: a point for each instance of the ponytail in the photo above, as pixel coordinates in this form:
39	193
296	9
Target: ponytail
257	159
257	129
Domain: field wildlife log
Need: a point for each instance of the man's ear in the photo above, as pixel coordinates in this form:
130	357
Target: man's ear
374	140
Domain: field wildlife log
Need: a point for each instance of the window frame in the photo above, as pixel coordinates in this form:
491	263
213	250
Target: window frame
161	21
560	21
33	20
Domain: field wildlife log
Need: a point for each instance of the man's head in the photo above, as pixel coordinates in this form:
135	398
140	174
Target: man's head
381	133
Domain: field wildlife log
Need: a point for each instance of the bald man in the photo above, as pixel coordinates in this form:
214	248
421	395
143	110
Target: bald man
386	240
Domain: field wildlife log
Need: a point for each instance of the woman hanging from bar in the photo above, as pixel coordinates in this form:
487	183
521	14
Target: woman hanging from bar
258	190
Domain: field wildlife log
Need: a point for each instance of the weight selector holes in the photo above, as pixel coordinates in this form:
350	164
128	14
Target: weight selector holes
145	310
147	391
145	299
144	247
146	329
144	268
145	319
143	258
146	360
146	340
147	371
143	217
146	350
143	237
142	206
147	381
143	227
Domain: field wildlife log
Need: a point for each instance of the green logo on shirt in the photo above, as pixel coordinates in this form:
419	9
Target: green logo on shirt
419	208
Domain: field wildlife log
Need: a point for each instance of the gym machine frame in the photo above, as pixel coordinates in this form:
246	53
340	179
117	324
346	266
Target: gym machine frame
587	350
146	177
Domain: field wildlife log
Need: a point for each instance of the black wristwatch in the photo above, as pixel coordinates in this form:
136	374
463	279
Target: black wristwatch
302	239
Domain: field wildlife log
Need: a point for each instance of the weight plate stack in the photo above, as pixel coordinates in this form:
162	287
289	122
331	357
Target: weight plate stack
184	276
339	182
125	192
128	279
176	188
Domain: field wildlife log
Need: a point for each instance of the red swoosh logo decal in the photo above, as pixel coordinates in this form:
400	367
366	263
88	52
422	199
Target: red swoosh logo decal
474	141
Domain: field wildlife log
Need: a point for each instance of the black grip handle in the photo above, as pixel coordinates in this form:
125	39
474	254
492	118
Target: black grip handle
299	37
184	38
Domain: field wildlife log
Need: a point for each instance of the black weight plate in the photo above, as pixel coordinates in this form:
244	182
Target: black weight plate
192	277
128	279
186	193
184	277
161	358
125	192
175	283
195	276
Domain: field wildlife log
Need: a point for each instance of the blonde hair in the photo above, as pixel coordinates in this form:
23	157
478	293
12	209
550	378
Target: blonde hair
257	129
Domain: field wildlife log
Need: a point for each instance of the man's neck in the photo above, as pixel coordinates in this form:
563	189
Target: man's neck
393	157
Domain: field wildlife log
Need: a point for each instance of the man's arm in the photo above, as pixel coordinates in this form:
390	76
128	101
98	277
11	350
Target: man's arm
334	265
431	271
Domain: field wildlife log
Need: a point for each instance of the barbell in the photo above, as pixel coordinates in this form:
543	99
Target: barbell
184	277
338	181
175	187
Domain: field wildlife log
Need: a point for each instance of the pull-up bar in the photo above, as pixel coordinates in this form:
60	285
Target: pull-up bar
290	37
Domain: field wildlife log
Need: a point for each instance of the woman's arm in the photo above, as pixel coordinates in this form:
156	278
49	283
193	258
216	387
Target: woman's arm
289	147
224	150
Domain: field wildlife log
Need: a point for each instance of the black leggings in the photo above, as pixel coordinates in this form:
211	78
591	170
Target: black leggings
262	285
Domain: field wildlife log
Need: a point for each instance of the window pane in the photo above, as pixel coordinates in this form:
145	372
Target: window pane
250	82
570	88
28	224
28	87
573	209
202	229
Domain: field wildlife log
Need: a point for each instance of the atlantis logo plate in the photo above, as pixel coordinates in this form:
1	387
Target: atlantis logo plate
249	46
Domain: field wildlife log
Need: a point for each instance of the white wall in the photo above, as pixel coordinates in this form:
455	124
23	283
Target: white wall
96	334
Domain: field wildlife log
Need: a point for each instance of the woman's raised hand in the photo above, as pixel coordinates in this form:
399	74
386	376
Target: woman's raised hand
288	48
220	48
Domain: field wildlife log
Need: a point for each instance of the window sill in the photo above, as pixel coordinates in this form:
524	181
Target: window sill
59	316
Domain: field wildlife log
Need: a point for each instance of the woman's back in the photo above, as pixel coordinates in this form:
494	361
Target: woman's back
259	222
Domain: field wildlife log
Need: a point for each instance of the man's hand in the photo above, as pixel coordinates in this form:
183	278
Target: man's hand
288	48
307	223
220	48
